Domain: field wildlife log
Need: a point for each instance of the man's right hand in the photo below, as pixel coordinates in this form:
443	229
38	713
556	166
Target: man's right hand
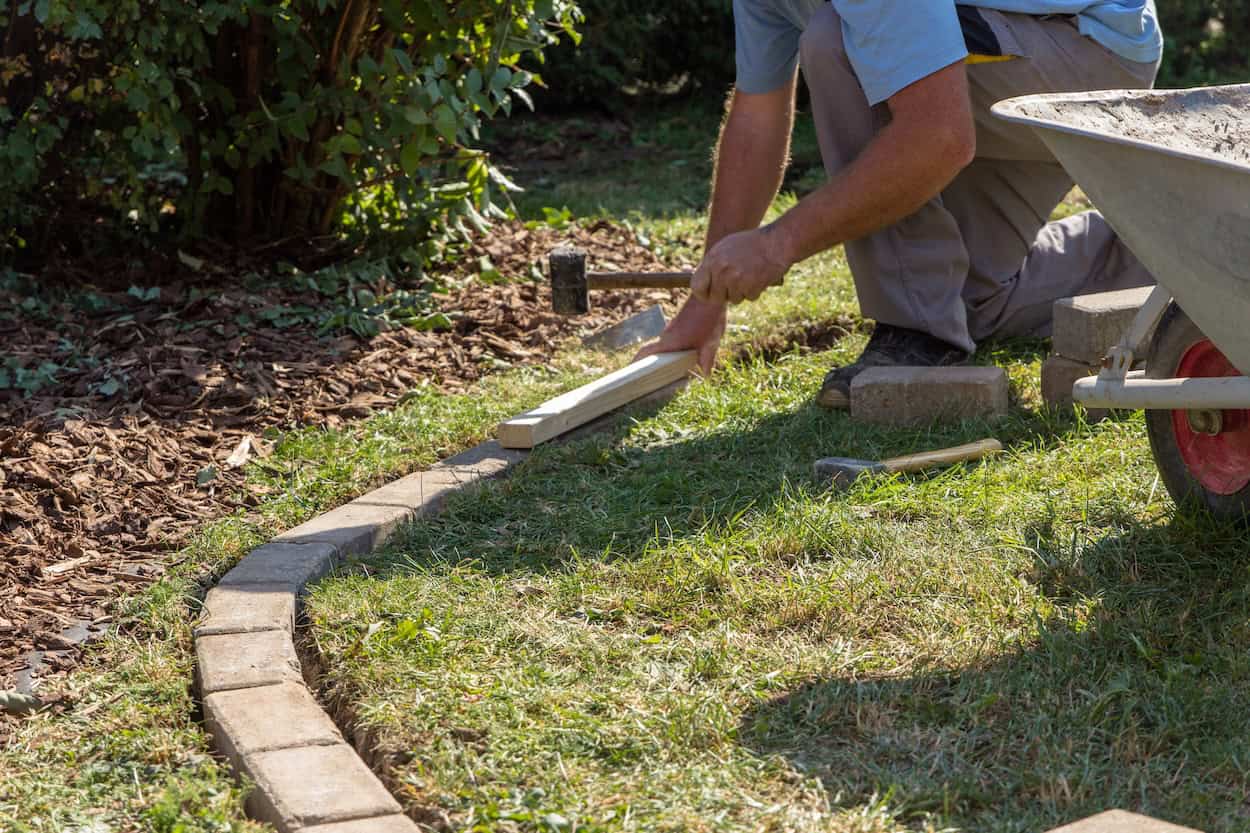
699	326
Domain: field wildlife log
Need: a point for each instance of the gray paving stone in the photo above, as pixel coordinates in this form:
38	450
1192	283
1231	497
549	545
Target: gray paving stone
1059	373
314	785
488	459
244	660
920	395
1119	821
425	492
248	608
249	720
389	824
283	564
1087	326
355	528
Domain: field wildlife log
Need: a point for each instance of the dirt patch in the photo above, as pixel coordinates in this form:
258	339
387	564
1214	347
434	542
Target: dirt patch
809	336
101	480
1207	121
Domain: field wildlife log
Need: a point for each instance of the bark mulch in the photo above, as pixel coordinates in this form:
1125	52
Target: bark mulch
102	481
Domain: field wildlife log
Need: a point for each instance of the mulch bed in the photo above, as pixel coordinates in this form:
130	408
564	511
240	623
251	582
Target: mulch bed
98	492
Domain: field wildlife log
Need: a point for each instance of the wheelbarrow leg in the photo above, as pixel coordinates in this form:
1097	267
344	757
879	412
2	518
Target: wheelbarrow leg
1120	358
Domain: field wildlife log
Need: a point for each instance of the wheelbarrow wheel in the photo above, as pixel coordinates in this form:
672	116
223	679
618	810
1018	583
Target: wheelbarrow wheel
1202	455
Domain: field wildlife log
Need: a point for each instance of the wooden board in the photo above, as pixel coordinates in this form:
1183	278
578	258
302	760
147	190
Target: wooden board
577	407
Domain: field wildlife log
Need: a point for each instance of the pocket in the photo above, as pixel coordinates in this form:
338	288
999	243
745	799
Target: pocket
999	25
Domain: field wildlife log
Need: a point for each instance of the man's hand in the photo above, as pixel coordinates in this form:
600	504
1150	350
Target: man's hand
699	326
740	267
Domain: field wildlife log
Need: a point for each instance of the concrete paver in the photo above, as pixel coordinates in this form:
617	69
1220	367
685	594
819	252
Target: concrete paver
312	785
250	720
1087	326
919	395
244	660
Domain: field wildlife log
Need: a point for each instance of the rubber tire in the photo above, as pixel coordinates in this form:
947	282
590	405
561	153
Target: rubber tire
1173	338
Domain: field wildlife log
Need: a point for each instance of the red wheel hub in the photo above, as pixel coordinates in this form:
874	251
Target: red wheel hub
1220	462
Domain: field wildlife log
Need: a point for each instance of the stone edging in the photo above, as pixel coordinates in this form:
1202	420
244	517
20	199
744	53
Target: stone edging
261	716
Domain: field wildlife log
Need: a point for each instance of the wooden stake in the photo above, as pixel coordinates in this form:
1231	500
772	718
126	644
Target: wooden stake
578	407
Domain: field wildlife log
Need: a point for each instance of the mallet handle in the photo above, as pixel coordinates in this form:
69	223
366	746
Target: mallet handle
639	280
945	457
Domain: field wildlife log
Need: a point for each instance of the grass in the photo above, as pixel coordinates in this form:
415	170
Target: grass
668	625
671	627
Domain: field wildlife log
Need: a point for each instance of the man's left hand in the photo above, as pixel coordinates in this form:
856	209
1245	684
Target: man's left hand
740	267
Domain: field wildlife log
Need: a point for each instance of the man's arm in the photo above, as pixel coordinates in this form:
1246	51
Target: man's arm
930	138
751	157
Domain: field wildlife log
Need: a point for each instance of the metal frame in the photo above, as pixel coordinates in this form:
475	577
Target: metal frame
1118	386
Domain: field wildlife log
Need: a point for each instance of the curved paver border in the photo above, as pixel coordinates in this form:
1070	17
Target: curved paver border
257	708
260	714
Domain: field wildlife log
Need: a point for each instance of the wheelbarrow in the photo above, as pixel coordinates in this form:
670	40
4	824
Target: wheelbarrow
1170	171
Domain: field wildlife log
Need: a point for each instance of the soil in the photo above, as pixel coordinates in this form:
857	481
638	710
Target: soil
99	488
1207	122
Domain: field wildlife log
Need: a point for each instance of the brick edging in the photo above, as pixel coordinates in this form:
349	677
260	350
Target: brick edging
261	716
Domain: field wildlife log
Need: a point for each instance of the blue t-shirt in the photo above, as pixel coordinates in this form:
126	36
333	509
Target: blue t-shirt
894	43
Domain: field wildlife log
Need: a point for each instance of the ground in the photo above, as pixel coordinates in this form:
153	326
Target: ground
671	624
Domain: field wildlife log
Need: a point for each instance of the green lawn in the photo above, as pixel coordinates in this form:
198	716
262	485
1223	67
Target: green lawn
671	628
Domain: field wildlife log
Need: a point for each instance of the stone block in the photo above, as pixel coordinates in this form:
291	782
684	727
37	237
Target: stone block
248	608
1058	375
355	528
389	824
290	565
1087	326
244	660
250	720
488	459
1119	821
314	785
920	395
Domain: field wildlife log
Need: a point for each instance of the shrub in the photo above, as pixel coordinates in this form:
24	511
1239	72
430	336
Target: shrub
651	45
644	46
1206	42
259	120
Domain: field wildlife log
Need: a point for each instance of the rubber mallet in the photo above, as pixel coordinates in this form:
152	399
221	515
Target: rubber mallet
571	283
843	471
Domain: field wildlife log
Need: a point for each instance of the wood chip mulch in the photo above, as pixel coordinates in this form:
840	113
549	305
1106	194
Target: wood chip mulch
98	492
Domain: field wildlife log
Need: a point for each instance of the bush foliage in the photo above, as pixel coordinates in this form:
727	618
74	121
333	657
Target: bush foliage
259	120
648	46
651	45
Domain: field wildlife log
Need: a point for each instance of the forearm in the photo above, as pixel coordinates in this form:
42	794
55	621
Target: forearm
751	158
908	163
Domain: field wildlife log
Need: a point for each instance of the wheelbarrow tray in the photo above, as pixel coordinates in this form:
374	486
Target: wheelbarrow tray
1170	171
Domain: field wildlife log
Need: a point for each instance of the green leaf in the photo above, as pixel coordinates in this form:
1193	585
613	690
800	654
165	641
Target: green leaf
445	123
410	158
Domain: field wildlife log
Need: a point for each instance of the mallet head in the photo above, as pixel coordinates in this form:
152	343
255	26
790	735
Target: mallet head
841	472
570	290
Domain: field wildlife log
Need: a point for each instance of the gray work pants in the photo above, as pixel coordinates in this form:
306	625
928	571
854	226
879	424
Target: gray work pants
980	259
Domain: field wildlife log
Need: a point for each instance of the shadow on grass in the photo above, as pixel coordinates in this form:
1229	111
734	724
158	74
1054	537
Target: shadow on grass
1140	704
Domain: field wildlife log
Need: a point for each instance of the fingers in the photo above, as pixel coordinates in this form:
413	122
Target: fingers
707	358
650	350
701	282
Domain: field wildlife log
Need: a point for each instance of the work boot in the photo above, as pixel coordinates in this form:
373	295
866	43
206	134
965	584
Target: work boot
889	347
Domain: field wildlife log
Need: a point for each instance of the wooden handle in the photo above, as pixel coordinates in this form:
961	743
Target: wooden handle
639	280
945	457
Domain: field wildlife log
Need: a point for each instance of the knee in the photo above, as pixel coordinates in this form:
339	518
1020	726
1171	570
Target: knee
822	39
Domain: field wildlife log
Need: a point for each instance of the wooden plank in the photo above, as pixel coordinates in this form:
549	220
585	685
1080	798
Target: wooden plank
577	407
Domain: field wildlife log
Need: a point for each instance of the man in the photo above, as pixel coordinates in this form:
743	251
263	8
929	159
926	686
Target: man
942	208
